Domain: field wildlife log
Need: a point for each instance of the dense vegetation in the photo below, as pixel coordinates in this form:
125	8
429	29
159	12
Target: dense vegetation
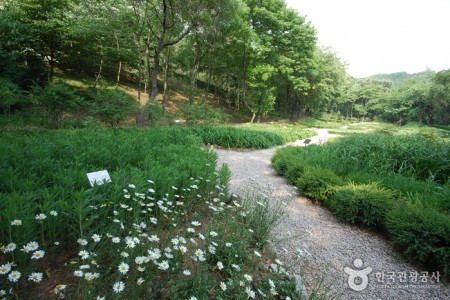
165	227
252	57
396	184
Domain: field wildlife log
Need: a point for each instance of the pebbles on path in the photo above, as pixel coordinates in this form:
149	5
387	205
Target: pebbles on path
316	245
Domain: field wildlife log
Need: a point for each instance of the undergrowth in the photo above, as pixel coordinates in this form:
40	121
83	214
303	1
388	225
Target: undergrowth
395	184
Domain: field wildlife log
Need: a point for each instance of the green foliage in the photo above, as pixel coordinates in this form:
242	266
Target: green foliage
235	137
11	95
427	193
262	218
284	157
53	100
317	183
421	234
411	156
361	204
202	113
113	106
400	186
166	216
290	133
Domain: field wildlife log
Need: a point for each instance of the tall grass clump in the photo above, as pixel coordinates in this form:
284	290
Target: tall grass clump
235	137
409	155
290	133
153	232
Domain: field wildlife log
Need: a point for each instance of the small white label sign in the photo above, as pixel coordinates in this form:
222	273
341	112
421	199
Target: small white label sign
98	177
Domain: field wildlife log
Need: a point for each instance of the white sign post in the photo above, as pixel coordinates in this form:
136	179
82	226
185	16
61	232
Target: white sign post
99	177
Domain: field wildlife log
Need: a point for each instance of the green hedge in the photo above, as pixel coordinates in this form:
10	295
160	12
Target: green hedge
235	137
318	184
364	204
421	234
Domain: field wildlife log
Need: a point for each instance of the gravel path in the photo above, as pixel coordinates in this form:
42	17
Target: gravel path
315	244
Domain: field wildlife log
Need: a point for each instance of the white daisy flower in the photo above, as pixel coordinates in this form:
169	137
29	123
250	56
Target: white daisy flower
41	217
16	222
82	242
164	265
223	286
187	273
250	293
140	281
123	268
96	237
118	287
83	254
4	269
38	254
14	276
78	273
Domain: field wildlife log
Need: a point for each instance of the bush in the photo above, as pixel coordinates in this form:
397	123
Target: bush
295	170
10	95
284	157
318	184
365	204
113	106
202	113
235	137
421	234
54	100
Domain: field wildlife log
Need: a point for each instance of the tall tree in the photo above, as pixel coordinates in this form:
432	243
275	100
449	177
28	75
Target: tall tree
167	22
440	97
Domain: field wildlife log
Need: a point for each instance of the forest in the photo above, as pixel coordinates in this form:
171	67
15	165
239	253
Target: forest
252	58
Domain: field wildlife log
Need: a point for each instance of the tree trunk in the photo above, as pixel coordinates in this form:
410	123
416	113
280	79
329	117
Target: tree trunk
118	73
120	61
238	97
228	88
166	70
97	76
253	118
193	78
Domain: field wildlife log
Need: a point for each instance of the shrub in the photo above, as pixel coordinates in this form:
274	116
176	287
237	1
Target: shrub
421	234
365	204
202	113
318	183
295	170
284	157
235	137
113	106
10	95
54	100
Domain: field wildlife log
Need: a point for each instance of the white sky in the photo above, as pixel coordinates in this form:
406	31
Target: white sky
382	36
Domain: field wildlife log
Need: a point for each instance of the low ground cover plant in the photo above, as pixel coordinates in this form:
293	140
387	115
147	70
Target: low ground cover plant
247	137
165	227
392	183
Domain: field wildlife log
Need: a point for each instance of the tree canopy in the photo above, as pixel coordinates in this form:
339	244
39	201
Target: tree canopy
253	56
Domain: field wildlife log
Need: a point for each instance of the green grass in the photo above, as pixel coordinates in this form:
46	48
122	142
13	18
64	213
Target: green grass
383	174
256	137
166	217
322	123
